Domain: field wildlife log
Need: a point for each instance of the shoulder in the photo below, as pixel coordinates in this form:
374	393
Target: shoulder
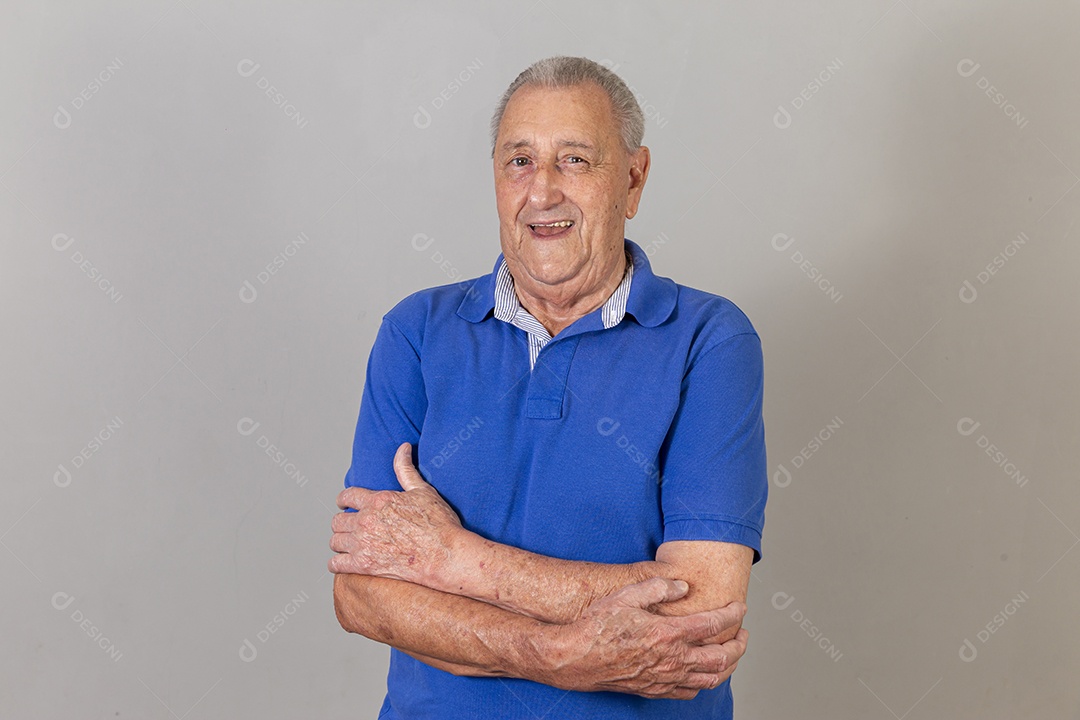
712	319
437	306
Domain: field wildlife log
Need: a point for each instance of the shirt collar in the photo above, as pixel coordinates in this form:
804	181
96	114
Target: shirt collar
650	301
507	305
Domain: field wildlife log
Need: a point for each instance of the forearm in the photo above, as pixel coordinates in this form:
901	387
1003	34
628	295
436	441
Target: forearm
558	591
542	587
454	633
450	667
616	646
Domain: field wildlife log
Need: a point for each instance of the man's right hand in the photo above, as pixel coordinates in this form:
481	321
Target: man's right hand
620	646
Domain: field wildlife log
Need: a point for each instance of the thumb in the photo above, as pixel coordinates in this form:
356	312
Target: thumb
652	591
408	476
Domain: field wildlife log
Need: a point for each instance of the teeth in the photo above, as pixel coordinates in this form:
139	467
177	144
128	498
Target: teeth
564	223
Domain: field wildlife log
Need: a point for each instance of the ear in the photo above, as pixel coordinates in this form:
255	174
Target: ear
639	172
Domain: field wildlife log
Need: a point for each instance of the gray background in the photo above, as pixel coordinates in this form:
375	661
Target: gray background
141	583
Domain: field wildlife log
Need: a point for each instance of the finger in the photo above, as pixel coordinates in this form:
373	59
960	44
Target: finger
651	592
407	474
352	497
344	522
342	542
729	671
710	659
701	681
672	692
339	564
736	647
710	623
718	658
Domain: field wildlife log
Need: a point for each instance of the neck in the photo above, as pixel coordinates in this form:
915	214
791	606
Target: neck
556	310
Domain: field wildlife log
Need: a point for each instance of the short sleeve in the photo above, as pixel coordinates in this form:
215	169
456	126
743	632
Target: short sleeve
714	477
392	409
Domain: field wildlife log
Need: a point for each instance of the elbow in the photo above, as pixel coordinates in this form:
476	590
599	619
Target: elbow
358	607
345	604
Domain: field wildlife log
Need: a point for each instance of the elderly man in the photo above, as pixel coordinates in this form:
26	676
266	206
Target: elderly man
577	542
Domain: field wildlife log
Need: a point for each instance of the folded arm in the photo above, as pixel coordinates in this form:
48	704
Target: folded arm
617	645
559	591
415	536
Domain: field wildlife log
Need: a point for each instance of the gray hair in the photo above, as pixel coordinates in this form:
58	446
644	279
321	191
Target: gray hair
561	72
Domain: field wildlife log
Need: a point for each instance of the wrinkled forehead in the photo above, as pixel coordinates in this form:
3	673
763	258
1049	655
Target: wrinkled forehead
574	116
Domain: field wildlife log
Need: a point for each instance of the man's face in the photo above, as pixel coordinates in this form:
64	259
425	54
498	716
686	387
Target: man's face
565	186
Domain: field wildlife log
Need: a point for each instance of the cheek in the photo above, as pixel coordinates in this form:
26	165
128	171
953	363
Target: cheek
606	203
511	191
508	203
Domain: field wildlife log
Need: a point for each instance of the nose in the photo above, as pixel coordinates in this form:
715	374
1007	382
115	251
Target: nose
545	189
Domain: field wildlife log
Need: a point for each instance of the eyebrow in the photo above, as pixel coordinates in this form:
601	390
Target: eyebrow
507	146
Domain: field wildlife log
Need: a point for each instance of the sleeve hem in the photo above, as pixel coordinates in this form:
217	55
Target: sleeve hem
716	530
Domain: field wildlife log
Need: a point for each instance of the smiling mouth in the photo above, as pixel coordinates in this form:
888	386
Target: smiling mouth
553	229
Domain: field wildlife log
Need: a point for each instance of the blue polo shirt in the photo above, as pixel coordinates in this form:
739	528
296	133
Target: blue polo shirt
619	439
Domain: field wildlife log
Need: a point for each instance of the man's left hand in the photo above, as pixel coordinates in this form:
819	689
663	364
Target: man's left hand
406	535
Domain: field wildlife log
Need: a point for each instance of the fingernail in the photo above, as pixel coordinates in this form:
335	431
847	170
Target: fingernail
682	585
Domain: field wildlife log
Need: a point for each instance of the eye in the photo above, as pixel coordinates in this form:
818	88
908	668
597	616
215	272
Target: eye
574	159
519	161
